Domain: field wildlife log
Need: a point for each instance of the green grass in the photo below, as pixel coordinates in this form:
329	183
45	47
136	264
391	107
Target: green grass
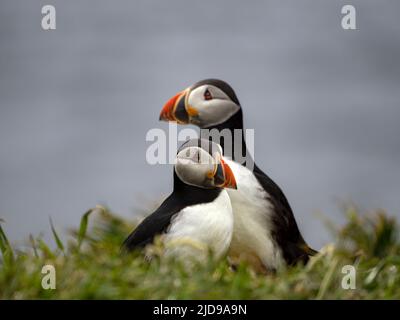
89	266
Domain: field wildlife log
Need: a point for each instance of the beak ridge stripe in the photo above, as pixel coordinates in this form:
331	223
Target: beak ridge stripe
230	180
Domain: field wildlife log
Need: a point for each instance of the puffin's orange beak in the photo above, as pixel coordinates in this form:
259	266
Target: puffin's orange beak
168	111
177	109
229	178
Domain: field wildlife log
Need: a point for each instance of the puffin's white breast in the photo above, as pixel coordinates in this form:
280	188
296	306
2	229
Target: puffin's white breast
252	213
202	227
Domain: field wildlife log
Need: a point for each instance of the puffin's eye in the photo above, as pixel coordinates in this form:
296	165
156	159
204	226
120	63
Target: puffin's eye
207	95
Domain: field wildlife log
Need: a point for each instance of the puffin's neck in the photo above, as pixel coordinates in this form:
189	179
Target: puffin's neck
238	141
193	195
234	122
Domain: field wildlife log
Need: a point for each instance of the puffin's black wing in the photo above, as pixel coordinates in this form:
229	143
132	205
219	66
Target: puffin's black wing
286	233
183	196
154	224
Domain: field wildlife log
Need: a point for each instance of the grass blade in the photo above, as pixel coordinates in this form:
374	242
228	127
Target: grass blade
59	243
326	281
33	244
83	227
45	249
5	247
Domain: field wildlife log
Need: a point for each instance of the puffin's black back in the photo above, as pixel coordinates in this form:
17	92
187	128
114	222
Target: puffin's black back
286	232
158	222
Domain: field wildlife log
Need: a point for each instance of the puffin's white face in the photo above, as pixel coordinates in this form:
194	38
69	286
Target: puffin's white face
211	106
193	165
204	105
196	167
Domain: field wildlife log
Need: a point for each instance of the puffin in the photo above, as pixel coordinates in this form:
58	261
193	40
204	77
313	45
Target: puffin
196	219
265	233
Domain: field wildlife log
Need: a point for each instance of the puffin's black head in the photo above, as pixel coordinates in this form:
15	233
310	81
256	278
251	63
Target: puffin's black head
207	103
200	163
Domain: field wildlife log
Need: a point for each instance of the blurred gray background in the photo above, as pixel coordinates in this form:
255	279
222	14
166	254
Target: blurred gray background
77	102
